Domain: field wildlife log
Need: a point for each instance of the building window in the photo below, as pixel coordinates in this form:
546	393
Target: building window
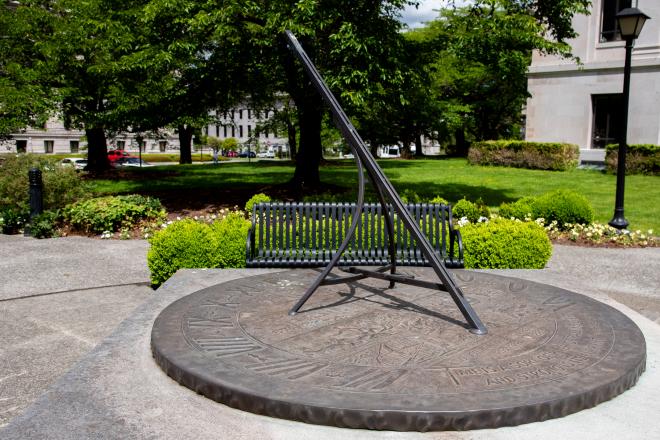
249	130
240	131
607	119
162	145
74	145
240	114
609	30
121	145
249	113
233	131
217	131
48	146
21	146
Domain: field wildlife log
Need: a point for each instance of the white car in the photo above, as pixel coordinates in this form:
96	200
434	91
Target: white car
267	154
78	163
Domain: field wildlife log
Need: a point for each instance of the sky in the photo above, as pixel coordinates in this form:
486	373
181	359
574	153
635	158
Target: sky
426	11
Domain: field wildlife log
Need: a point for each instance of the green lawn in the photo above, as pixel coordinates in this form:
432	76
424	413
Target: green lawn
452	179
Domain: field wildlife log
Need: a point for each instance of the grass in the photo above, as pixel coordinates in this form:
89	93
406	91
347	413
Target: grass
452	179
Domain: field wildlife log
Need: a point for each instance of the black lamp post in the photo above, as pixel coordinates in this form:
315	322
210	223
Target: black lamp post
631	21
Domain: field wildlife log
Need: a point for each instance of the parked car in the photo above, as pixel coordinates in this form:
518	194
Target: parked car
247	154
267	154
130	162
114	155
78	163
231	154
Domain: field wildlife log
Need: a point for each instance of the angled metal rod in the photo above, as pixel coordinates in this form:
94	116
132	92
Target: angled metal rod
384	185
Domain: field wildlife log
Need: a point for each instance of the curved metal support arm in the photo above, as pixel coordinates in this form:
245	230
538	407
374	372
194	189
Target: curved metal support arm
351	231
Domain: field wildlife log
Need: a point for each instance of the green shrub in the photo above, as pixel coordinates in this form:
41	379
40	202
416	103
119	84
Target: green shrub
12	220
183	244
520	209
439	200
44	225
62	185
521	154
190	244
232	233
564	207
465	208
505	244
472	211
257	198
112	213
640	158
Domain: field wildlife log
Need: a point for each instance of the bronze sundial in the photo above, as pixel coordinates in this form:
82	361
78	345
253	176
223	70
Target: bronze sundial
364	356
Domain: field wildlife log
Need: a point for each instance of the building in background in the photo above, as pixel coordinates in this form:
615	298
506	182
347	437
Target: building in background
581	104
54	138
252	129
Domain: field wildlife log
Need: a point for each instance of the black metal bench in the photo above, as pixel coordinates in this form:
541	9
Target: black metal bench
308	235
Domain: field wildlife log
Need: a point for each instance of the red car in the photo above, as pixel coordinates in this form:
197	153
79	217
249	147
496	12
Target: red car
114	155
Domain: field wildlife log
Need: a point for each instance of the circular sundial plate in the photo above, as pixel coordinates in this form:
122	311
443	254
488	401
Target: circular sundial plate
364	356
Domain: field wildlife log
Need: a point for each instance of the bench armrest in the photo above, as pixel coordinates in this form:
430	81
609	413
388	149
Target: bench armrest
249	245
452	261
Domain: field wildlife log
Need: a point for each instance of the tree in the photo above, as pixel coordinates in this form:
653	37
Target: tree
474	60
74	48
24	100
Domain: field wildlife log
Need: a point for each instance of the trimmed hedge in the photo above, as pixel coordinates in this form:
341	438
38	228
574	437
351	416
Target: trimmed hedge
473	211
562	206
640	158
505	244
520	209
521	154
191	244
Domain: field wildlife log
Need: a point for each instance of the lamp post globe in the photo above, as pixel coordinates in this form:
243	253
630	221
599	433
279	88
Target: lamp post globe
631	21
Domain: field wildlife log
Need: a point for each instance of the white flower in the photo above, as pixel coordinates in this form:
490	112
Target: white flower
463	221
482	219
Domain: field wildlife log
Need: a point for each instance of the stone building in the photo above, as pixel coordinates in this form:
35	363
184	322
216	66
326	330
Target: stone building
581	104
54	138
250	128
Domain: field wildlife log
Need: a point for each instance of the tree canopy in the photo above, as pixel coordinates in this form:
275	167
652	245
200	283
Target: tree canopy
108	65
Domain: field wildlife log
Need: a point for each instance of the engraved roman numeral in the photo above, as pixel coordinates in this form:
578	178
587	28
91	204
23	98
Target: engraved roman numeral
201	323
212	303
373	379
291	368
226	346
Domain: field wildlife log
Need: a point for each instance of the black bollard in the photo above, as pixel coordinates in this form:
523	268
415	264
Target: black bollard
36	196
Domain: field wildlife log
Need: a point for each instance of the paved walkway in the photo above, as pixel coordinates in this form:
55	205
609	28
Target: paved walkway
60	297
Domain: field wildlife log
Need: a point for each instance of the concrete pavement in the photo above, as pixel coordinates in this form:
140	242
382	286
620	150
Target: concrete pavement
58	299
117	391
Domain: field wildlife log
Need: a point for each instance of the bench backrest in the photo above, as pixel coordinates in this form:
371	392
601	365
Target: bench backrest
308	234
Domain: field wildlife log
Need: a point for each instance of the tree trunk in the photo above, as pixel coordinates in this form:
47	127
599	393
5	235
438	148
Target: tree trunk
461	144
97	150
291	133
405	148
308	158
418	146
185	141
